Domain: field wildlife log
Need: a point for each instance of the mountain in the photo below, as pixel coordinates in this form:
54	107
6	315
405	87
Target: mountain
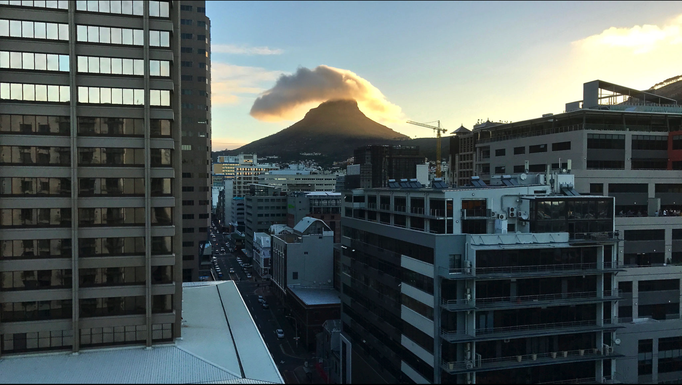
334	129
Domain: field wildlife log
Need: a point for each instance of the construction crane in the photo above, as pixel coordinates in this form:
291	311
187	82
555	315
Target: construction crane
438	130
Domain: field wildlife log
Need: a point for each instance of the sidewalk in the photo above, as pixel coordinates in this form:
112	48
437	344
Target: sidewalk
312	377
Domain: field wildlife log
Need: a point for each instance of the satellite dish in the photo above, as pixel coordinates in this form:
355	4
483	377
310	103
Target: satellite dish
523	176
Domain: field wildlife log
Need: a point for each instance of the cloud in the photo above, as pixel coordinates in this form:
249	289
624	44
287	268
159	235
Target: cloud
638	39
294	94
244	50
230	82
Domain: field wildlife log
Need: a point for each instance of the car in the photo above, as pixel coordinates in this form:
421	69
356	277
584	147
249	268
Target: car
265	305
220	275
248	275
280	333
261	299
231	270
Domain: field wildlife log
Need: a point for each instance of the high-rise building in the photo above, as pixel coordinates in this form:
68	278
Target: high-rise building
505	283
379	163
195	74
627	144
90	174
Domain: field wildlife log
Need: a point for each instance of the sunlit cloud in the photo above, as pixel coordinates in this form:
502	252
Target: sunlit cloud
292	95
230	83
639	39
244	50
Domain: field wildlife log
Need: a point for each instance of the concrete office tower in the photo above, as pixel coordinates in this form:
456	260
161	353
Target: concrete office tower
627	144
195	73
90	174
512	283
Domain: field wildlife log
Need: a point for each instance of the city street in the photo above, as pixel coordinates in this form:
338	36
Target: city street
289	357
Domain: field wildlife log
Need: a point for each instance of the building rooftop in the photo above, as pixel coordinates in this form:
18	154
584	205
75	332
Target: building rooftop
220	344
322	295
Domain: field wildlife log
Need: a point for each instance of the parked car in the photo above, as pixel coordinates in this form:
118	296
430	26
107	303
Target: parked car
280	333
231	270
248	275
265	305
261	299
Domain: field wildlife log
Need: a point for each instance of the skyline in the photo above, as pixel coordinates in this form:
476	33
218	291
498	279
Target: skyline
427	61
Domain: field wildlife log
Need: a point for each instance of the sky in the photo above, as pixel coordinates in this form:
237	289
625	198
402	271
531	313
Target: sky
453	62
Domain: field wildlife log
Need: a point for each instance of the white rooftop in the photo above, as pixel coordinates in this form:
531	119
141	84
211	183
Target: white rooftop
323	295
220	344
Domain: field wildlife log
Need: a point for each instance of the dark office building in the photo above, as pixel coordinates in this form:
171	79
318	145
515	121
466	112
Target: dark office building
379	163
195	68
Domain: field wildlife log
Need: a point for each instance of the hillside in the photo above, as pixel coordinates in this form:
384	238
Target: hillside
334	129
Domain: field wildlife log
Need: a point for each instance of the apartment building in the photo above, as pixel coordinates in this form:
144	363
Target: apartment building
505	283
90	172
195	68
263	206
627	144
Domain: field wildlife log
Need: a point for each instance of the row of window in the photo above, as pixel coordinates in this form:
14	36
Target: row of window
63	339
560	146
188	36
124	36
606	141
127	96
62	278
29	248
123	156
189	8
123	127
60	217
120	66
29	155
30	124
89	307
50	248
123	216
190	77
35	186
61	4
134	7
190	64
34	61
34	92
123	186
34	30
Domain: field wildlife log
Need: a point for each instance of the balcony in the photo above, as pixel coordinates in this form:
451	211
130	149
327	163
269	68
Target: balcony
456	336
510	362
555	299
537	270
458	305
456	273
536	330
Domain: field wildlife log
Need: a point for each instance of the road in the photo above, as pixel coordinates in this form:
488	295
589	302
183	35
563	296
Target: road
289	357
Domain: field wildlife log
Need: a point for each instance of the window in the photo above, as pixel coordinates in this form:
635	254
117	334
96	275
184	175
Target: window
201	37
34	30
537	148
187	230
202	52
186	21
645	235
201	9
188	203
186	77
649	142
294	275
185	63
597	188
34	92
186	49
185	7
202	79
186	36
519	168
186	174
605	141
519	150
500	170
500	152
642	188
605	165
561	146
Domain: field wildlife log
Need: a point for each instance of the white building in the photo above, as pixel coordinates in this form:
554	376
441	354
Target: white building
261	254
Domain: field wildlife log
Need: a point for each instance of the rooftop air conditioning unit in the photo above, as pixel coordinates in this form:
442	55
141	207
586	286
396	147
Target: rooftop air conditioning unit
502	216
511	212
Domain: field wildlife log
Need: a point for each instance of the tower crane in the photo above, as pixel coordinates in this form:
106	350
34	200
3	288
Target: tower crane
438	130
